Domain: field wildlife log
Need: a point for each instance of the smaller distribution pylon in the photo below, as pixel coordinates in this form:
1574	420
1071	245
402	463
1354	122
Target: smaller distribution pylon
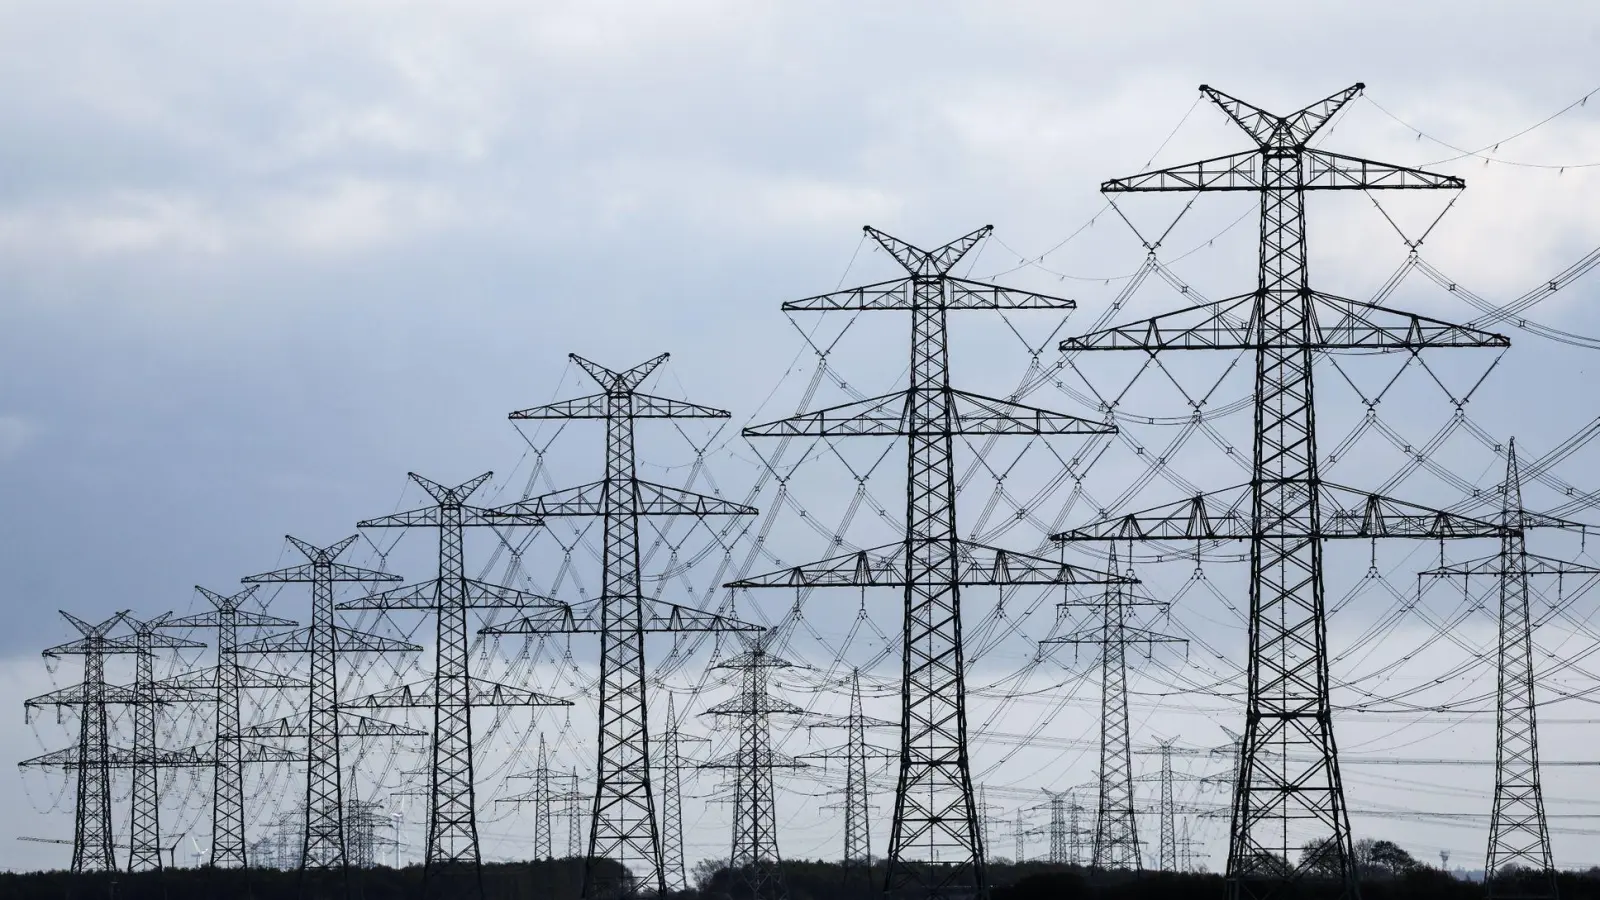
754	856
1518	864
856	754
1116	832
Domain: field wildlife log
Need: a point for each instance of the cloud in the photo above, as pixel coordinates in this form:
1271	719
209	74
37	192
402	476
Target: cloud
16	433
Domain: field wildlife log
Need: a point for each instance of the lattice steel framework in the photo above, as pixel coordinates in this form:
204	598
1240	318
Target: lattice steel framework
452	692
94	758
754	856
1167	848
1019	835
226	683
675	871
324	724
1075	830
1291	797
144	824
541	811
92	849
856	753
544	798
935	815
1116	829
1518	863
1058	827
623	825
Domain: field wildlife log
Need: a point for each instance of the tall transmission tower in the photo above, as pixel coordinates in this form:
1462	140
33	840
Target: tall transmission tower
1293	798
575	834
623	825
225	683
545	797
672	765
1075	830
1116	828
1167	849
856	753
541	814
452	692
1518	863
1019	834
92	849
144	839
935	816
1058	826
754	855
324	724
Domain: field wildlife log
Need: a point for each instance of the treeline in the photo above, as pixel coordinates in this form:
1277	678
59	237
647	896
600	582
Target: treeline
803	880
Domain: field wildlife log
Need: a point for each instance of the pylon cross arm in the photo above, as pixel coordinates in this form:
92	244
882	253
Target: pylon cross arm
649	499
1225	515
976	564
588	618
1334	323
480	692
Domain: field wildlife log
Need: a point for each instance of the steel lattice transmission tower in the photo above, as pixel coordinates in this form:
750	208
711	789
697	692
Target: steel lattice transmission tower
1058	827
544	798
94	757
935	816
92	849
225	683
324	724
144	826
1167	849
452	692
623	824
1287	510
674	869
1519	833
541	812
1116	829
1075	830
754	855
856	752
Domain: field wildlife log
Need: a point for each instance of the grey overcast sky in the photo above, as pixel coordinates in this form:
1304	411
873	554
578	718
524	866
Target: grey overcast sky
257	261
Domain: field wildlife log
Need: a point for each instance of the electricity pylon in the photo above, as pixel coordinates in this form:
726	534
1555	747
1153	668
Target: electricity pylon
144	825
1116	829
1058	826
672	765
1168	844
1519	833
225	682
1075	830
544	798
623	824
94	756
857	795
754	856
452	692
323	724
1294	798
1167	849
935	816
91	831
1019	835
